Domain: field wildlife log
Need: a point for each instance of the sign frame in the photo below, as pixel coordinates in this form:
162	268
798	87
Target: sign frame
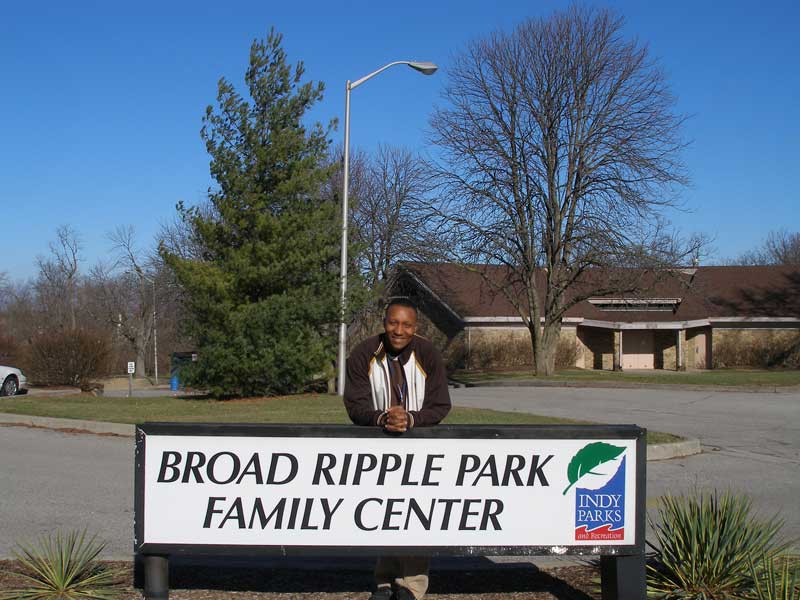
533	432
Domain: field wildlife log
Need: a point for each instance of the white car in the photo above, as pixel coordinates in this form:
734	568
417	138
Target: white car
11	381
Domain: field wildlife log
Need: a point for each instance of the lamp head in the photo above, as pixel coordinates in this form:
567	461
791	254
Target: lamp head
426	68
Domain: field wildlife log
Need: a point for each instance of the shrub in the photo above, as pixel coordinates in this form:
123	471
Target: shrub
76	358
764	349
776	579
65	567
566	353
499	350
8	350
454	352
510	350
706	545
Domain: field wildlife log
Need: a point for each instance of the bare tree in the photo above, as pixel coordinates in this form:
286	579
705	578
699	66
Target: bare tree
57	283
179	238
389	225
560	148
5	288
781	247
125	290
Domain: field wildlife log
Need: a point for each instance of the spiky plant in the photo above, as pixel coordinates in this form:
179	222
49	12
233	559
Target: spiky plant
776	579
64	567
705	545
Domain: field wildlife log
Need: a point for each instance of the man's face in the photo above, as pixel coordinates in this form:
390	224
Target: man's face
400	325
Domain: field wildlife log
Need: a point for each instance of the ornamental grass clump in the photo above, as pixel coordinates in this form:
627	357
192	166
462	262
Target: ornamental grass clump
776	579
706	545
64	567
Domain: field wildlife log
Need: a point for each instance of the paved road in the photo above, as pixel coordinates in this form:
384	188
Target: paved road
751	441
51	480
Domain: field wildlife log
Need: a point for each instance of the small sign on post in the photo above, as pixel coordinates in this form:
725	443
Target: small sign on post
131	371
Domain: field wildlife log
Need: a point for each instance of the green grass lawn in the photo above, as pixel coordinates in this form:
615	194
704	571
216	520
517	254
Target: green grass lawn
317	408
715	377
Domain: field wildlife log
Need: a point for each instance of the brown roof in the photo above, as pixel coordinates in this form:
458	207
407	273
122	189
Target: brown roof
705	292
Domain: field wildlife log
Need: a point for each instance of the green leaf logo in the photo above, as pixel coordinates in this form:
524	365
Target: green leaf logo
588	458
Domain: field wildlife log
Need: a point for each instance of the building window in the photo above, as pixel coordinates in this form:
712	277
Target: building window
636	304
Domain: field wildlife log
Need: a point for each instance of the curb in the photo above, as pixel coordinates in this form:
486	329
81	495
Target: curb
673	450
622	385
654	451
70	425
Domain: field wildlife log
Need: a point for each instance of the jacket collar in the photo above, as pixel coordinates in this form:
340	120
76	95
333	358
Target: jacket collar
404	355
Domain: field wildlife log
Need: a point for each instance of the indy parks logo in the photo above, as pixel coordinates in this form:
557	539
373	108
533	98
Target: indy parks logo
600	501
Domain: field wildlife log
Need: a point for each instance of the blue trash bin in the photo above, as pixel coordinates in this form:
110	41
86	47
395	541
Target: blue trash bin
173	383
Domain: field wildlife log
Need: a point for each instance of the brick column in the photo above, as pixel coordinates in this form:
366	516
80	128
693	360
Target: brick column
618	350
710	348
680	350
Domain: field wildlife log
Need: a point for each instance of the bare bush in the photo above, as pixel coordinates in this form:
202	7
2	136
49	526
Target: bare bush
508	351
76	358
500	351
566	353
769	349
8	350
454	353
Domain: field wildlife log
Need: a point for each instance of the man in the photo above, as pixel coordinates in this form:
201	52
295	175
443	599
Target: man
397	381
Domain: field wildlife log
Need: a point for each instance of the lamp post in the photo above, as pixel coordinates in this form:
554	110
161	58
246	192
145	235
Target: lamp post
155	333
426	68
155	329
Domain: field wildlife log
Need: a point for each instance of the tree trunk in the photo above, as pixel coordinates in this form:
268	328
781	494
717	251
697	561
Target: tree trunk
536	347
140	347
545	359
140	357
144	330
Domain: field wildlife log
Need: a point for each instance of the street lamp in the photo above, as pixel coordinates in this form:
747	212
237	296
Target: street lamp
426	68
155	333
155	329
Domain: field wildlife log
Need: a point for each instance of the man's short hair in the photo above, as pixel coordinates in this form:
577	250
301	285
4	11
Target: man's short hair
400	301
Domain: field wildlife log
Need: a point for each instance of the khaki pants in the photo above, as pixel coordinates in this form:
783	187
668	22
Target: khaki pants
410	572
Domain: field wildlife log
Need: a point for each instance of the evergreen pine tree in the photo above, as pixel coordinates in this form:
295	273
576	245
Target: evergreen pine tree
263	298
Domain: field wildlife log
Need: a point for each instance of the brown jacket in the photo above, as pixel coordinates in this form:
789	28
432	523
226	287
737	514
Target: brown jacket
367	394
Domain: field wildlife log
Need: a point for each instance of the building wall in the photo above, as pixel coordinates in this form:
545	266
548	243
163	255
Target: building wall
497	347
510	347
597	347
665	348
697	341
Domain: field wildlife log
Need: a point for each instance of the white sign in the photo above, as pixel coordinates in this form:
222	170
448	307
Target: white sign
415	492
131	368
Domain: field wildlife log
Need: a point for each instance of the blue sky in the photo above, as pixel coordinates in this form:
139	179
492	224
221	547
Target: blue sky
101	102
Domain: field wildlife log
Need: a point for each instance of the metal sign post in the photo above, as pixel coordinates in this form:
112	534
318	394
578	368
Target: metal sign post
131	371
